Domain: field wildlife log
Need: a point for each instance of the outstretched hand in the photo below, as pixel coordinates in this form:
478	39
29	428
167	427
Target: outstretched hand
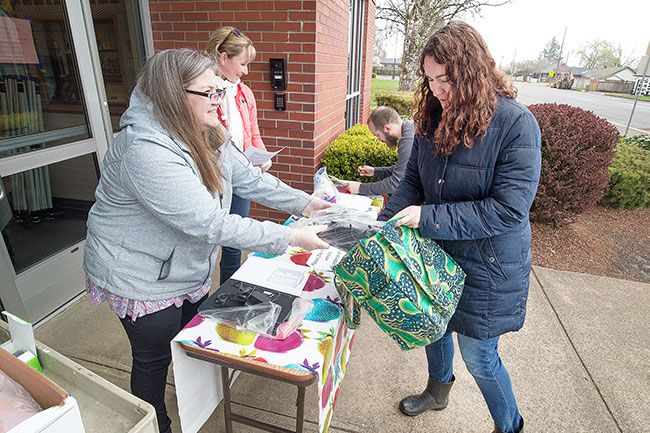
314	205
307	238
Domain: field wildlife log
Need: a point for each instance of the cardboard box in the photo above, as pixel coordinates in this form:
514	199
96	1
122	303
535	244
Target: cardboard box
60	411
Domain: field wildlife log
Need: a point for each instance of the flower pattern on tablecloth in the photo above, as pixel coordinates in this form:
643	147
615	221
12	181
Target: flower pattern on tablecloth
321	345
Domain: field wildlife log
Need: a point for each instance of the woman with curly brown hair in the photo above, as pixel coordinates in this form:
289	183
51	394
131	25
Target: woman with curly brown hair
469	184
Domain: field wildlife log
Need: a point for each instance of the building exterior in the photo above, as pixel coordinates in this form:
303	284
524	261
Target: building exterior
642	76
67	68
617	79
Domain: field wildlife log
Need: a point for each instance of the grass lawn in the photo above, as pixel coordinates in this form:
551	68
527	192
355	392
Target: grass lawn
378	84
618	95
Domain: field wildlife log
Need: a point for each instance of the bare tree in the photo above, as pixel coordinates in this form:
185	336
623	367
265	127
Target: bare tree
417	20
379	51
600	54
527	68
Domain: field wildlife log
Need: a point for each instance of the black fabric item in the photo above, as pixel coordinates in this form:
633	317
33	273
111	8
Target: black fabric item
434	397
234	293
150	337
345	235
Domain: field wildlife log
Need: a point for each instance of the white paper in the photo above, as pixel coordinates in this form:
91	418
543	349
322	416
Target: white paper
325	260
354	201
273	274
258	156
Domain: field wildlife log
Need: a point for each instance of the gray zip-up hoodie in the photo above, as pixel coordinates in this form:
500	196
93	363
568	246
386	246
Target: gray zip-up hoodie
154	229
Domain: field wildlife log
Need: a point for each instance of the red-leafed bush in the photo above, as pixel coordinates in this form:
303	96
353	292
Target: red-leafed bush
577	149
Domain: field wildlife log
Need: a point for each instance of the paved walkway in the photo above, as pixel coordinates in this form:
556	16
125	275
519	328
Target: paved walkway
580	364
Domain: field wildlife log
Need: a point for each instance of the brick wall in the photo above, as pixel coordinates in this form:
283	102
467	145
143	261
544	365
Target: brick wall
368	45
312	37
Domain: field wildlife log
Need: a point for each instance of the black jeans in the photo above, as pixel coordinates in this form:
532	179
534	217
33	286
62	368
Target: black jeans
150	337
231	257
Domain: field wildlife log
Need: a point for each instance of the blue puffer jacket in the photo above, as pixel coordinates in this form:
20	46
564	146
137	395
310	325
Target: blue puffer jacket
476	205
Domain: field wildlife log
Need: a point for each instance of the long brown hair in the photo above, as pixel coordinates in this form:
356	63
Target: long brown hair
163	80
476	85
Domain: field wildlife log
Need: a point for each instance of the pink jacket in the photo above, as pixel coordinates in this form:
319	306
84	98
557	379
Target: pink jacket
247	107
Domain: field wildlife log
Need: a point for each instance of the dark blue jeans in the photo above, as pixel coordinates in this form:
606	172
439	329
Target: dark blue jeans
150	337
231	257
483	362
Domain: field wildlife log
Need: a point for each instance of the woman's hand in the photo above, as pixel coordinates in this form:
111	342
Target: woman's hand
410	217
307	238
366	170
265	167
314	205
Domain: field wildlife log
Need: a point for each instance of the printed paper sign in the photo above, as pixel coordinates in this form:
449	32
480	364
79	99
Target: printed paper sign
16	41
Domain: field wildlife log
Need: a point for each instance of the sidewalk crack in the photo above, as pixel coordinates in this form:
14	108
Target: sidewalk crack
307	421
575	350
99	364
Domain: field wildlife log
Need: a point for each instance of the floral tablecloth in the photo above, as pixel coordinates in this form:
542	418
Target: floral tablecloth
321	345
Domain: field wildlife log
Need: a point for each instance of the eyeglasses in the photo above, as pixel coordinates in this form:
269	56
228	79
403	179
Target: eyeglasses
216	96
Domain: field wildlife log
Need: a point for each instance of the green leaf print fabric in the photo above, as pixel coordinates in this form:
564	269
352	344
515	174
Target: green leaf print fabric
407	284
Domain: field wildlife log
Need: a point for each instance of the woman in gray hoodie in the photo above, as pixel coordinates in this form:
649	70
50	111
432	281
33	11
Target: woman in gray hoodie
162	208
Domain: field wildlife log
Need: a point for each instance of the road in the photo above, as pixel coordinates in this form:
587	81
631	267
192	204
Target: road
616	110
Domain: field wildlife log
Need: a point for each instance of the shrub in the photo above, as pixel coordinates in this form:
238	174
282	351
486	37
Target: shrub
629	184
357	146
402	102
643	141
374	75
577	149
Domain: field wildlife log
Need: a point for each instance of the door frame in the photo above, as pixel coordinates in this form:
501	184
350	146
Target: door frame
82	33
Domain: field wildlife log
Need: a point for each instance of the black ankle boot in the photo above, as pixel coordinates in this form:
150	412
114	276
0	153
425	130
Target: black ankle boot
434	397
521	428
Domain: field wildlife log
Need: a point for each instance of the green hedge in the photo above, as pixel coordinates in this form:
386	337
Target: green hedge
643	141
402	102
357	146
629	183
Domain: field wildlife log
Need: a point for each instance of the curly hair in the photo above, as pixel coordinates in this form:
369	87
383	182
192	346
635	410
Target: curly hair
476	84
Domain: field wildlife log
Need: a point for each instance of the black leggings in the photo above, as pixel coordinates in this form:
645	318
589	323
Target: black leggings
150	337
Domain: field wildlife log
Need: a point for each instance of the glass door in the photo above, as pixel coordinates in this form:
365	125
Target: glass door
63	86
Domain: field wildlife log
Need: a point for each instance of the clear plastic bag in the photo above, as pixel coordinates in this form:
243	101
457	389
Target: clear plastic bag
345	226
324	187
339	214
260	318
345	235
16	405
299	310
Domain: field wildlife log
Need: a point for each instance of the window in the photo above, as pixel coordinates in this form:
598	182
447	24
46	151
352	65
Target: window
355	58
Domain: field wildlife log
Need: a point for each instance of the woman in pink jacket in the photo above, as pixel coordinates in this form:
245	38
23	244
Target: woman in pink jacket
234	51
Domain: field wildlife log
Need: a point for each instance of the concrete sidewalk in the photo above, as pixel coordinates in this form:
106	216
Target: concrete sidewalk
580	364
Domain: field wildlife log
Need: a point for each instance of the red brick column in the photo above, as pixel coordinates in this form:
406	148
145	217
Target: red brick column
312	37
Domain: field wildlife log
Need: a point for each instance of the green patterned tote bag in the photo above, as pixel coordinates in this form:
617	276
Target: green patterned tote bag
407	284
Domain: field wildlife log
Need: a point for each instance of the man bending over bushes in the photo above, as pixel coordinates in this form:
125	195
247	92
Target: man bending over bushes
386	125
